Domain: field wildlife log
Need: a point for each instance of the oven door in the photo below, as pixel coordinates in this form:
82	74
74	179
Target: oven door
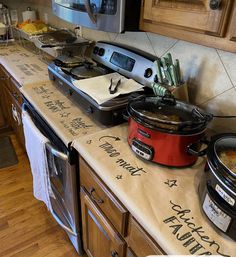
62	177
63	180
106	15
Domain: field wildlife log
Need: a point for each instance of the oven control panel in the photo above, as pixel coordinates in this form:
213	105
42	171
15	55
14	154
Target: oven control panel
128	61
141	149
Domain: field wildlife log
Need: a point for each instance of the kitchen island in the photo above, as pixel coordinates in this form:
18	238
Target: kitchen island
163	201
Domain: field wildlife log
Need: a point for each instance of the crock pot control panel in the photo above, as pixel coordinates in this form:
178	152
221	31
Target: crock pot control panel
129	62
143	150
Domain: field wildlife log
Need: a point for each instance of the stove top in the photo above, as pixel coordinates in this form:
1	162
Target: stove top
107	57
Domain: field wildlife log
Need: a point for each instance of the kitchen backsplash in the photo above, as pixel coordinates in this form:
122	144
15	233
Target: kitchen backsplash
210	73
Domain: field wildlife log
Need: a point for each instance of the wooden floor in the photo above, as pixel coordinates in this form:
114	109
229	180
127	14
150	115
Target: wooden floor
26	228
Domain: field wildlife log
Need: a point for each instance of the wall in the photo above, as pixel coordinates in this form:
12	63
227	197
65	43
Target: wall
210	73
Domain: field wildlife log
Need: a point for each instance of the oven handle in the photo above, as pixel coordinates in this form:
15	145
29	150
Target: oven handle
88	8
58	220
56	153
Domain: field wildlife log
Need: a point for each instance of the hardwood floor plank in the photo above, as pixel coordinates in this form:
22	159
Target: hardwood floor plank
26	227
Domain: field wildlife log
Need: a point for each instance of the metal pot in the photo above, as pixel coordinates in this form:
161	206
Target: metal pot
166	131
217	189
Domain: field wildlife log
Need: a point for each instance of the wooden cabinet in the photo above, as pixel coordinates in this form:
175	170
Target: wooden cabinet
17	120
4	113
99	237
232	33
198	21
106	201
195	15
140	243
11	102
3	122
108	229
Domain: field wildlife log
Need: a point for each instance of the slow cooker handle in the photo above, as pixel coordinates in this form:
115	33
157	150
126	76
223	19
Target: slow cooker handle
125	115
191	149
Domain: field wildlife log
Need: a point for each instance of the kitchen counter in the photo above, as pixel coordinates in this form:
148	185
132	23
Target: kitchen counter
164	201
24	66
60	110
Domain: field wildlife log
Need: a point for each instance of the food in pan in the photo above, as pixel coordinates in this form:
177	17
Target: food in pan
228	158
35	27
160	116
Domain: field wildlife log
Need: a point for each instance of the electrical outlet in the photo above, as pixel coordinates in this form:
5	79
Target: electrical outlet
78	31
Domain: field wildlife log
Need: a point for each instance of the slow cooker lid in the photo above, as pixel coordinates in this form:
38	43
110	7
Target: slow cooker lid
225	151
176	114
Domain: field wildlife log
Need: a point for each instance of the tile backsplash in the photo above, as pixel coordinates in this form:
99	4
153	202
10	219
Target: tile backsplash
209	72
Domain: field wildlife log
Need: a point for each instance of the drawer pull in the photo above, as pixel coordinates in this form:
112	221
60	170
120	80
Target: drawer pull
114	254
91	192
15	95
4	78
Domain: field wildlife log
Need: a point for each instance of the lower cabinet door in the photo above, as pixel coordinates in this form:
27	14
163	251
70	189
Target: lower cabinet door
99	237
17	121
140	243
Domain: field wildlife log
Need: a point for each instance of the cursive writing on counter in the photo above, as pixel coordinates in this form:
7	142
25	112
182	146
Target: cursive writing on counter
195	237
112	152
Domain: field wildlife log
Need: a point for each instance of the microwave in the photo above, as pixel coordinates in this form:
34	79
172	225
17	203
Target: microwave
107	15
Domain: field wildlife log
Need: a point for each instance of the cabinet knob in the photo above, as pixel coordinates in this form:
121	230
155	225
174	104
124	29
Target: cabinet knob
214	4
114	254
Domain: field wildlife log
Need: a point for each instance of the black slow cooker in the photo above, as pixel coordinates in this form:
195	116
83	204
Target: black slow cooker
217	189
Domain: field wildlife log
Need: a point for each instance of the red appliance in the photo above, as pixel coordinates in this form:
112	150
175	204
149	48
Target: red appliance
166	131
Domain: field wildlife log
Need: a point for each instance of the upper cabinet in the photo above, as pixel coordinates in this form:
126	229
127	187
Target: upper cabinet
207	22
232	32
203	16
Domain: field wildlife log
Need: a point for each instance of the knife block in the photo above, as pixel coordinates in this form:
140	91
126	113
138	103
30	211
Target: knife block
180	92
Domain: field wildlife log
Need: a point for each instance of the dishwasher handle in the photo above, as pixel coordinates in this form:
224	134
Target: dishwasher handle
59	221
57	153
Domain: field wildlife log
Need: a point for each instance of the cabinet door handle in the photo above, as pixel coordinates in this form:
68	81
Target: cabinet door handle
114	254
15	95
4	78
91	192
214	4
16	115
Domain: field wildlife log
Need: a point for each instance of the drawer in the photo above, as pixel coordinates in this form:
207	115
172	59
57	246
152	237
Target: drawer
14	89
104	199
140	242
4	77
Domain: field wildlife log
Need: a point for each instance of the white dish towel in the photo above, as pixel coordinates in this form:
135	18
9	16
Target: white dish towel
35	143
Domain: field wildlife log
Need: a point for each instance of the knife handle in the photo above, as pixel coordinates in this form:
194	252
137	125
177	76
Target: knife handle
173	75
178	71
157	64
168	58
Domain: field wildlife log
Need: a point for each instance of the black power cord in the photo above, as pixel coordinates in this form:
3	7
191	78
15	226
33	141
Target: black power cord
224	117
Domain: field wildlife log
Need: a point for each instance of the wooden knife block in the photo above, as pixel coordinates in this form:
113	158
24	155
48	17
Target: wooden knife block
180	92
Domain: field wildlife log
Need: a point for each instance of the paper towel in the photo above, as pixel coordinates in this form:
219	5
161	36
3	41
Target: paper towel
29	15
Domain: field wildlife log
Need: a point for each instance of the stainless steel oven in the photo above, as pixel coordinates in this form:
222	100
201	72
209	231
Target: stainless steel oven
63	169
107	15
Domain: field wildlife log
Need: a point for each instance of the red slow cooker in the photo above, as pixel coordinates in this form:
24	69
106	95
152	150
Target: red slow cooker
166	131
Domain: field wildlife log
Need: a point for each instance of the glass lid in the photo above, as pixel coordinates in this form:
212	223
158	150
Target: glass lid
225	150
175	113
83	72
